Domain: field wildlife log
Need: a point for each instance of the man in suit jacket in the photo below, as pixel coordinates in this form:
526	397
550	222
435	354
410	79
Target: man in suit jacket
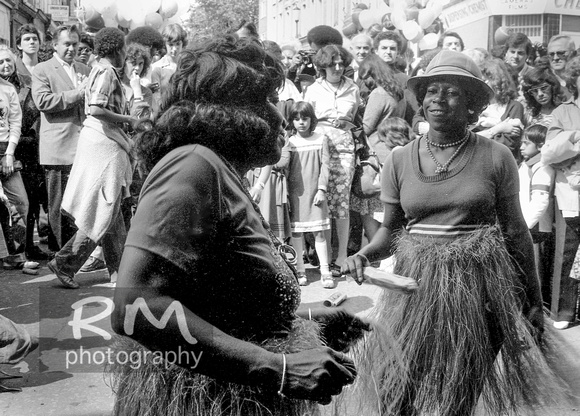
58	87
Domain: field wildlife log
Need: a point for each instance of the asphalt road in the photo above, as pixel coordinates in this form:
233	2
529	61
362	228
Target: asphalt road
64	376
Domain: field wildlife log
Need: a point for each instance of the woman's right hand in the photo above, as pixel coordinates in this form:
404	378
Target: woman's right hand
317	374
354	265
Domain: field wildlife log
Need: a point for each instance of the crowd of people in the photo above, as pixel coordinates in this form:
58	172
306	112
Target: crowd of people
209	176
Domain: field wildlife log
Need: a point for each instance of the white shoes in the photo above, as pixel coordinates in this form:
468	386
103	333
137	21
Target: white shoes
561	324
328	282
302	280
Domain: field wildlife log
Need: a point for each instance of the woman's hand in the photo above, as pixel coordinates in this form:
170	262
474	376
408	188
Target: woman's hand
8	165
317	374
256	193
354	266
339	328
319	198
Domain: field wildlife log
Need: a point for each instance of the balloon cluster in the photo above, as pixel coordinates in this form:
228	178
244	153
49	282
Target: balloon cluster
96	14
415	22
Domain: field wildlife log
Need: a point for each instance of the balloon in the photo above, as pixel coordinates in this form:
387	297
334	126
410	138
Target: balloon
355	18
110	21
361	6
411	13
382	10
387	23
168	8
398	18
501	35
103	6
150	6
366	18
412	31
426	17
436	6
122	22
95	22
125	11
154	20
428	42
349	30
374	30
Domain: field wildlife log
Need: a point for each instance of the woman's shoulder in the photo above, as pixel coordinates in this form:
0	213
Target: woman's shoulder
192	160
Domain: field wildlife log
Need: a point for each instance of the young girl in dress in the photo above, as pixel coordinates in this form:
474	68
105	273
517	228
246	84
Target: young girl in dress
307	184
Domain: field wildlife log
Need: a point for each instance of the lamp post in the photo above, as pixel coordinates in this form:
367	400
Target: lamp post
296	17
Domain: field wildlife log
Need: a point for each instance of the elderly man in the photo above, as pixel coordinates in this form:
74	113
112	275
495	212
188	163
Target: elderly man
58	87
561	49
360	46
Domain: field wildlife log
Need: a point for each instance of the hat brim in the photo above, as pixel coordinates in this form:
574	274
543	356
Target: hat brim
469	82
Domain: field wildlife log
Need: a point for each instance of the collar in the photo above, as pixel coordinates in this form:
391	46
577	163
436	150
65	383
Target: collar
63	63
533	160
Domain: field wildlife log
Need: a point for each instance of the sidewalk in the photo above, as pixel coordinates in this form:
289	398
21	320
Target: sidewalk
63	393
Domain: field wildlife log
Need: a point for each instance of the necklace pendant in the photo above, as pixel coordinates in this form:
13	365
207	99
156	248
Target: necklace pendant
440	169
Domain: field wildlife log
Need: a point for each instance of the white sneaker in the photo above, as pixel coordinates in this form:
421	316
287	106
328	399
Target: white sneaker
561	324
327	281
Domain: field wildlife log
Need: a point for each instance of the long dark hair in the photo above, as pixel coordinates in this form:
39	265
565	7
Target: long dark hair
538	76
373	71
215	98
303	109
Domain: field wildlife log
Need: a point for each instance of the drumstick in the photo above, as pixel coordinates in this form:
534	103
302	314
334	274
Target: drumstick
389	281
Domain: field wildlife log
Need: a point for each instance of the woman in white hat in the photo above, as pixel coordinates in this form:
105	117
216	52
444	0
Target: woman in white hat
453	218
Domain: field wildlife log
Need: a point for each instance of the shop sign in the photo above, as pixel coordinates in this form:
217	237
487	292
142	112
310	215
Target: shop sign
465	12
508	7
569	7
58	13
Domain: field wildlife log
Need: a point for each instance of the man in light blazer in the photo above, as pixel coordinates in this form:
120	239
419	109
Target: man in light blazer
58	90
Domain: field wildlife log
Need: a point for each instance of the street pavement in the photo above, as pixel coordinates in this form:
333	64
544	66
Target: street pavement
55	381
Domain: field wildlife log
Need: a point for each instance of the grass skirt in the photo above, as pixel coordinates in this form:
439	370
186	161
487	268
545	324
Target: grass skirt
154	390
462	334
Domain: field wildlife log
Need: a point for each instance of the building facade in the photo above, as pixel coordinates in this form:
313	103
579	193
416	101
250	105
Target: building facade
476	21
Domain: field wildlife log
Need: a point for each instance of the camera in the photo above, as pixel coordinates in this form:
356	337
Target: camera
306	56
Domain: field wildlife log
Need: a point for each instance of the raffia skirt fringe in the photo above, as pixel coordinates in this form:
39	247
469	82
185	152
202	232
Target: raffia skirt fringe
462	334
170	390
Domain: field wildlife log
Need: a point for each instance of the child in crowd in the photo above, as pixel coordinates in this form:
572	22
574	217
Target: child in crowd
536	200
307	183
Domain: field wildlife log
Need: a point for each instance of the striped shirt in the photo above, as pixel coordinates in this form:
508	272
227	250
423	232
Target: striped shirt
105	89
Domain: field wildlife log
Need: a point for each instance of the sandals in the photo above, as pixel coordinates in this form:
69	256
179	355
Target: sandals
302	280
327	281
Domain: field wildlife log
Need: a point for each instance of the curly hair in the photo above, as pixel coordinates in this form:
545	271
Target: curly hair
538	76
324	35
373	71
390	35
108	41
86	38
476	100
499	79
571	74
136	51
146	35
325	56
217	97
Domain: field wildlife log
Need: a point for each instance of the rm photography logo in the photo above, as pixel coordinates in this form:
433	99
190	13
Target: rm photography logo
76	333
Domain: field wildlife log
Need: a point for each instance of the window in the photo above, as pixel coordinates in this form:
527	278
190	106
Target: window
528	24
570	23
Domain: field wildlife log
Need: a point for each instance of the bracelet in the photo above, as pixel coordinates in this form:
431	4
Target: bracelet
309	314
261	185
137	99
283	376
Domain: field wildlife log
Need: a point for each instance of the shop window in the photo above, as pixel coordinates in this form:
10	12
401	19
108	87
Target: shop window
528	24
570	23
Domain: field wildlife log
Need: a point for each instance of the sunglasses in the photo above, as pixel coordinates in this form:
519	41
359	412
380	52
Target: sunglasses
544	89
561	54
85	49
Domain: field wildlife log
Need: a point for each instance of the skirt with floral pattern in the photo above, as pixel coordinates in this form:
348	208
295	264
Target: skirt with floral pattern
341	145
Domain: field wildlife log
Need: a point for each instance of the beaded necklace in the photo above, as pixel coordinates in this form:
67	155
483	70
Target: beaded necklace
443	168
444	145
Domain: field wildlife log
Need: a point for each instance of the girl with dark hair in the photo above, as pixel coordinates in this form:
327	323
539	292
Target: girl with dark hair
199	244
336	99
543	94
503	119
139	97
307	186
102	170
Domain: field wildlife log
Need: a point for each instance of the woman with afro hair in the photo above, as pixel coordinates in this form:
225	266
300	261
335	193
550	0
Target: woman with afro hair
101	172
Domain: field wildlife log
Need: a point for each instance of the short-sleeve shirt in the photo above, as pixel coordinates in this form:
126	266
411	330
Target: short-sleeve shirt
104	89
456	202
194	213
